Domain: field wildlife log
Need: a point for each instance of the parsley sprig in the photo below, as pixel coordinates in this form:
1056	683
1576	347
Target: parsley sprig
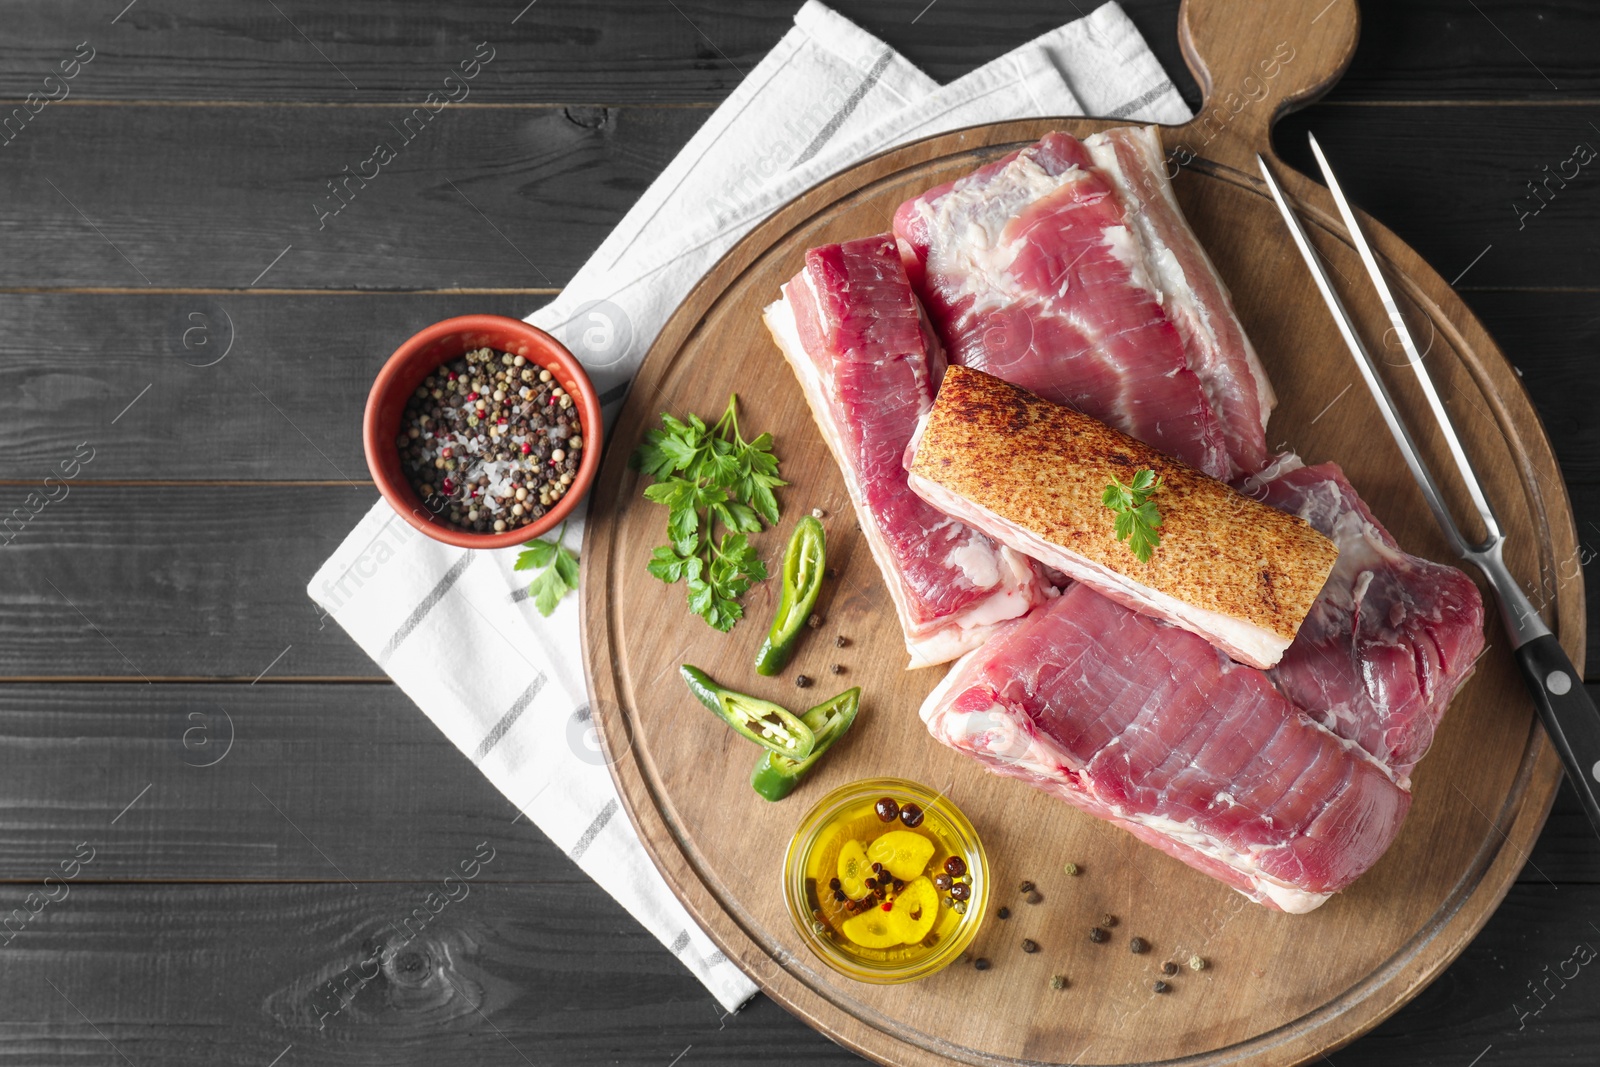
710	478
558	575
1137	518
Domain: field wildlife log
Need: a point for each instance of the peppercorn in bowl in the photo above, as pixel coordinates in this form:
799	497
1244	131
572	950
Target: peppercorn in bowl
482	431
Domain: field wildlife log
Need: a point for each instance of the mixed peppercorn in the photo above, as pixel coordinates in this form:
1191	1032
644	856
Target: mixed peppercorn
1097	934
490	441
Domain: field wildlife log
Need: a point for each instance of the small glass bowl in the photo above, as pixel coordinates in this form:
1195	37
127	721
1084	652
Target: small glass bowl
825	827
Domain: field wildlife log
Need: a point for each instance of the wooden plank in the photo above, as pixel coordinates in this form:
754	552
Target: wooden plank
242	435
472	198
1455	187
604	51
179	581
221	782
617	52
222	381
46	413
1489	50
1565	851
495	198
1563	388
378	790
391	974
1550	337
127	604
607	52
511	975
1487	996
43	416
314	356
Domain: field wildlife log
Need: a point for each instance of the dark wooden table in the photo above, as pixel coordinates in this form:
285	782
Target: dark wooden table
172	309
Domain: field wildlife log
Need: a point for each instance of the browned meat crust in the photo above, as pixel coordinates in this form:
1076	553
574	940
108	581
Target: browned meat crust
1043	467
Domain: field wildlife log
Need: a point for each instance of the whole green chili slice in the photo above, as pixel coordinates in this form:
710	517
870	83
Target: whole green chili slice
775	776
769	725
804	563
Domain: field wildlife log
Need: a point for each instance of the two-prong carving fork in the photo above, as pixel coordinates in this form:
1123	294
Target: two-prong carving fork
1569	716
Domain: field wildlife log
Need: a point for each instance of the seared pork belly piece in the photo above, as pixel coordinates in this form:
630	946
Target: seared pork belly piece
853	332
1391	637
1067	268
1030	473
1147	726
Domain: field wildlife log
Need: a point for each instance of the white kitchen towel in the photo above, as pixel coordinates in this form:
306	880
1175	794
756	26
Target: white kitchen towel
455	629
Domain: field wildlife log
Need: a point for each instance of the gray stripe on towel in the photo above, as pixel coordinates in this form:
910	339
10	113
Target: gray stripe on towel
429	602
1150	97
509	719
594	830
826	133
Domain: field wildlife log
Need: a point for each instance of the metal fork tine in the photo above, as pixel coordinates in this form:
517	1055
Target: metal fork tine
1392	308
1569	714
1367	365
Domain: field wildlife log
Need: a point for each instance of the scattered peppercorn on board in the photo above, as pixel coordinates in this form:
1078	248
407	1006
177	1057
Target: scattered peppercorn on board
1108	952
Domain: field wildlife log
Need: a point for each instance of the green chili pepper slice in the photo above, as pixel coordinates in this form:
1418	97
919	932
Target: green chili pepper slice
775	776
804	563
769	725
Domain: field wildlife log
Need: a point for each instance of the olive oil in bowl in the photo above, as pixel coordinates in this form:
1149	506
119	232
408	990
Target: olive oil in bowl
886	880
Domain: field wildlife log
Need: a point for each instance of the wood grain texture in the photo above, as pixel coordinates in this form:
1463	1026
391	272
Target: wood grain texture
1561	390
1496	51
374	784
285	343
230	377
554	182
375	974
617	52
177	581
223	781
178	612
1565	852
1475	1004
210	424
1451	199
204	974
473	198
1415	911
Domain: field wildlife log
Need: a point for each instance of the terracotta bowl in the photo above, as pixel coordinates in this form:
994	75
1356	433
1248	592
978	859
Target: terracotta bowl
440	343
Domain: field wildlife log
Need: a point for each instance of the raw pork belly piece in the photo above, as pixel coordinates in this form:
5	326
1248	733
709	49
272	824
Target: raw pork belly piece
1391	637
1149	727
851	328
1030	473
1067	269
1195	297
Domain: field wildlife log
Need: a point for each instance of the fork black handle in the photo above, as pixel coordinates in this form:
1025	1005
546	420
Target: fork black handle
1569	716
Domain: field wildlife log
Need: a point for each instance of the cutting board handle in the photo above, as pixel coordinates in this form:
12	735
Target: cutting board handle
1256	60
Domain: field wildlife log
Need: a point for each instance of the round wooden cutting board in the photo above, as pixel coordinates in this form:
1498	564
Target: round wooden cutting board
1280	989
